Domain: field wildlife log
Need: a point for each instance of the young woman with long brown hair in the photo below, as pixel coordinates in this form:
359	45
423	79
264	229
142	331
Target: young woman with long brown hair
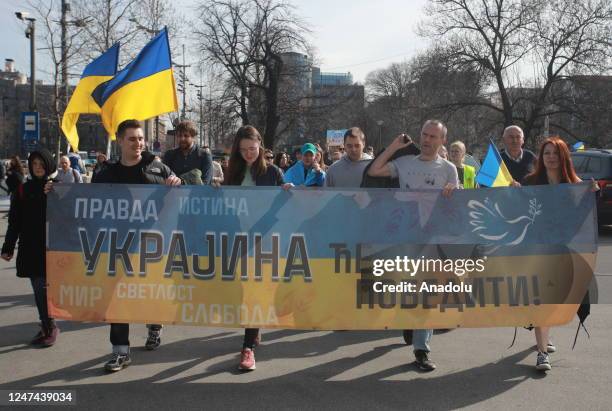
248	167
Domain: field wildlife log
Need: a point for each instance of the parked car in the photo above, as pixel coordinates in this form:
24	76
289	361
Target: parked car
597	164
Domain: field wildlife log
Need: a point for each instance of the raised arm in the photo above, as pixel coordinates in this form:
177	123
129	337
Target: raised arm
380	166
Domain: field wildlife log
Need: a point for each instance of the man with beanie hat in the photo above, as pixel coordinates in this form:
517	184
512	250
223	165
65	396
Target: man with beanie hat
306	172
27	218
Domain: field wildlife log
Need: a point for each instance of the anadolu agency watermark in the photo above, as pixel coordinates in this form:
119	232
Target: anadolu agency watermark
411	266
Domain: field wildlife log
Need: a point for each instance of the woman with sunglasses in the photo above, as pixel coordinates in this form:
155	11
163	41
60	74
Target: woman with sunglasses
269	157
282	161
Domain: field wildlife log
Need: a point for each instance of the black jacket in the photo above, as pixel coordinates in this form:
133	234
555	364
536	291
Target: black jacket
13	180
153	171
197	158
272	177
27	220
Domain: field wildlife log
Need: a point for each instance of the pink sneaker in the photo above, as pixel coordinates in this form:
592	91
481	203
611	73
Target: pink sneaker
247	360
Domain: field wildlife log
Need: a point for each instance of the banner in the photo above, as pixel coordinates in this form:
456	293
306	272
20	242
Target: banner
335	137
319	258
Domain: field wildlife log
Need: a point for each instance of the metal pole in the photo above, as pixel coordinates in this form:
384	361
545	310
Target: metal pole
32	30
201	120
210	116
64	48
184	86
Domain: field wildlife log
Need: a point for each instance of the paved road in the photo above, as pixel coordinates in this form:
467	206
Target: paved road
196	367
4	202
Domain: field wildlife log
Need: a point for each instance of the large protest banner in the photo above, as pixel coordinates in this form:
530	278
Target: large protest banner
319	258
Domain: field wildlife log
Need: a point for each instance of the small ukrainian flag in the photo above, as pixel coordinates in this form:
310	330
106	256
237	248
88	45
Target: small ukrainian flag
97	72
493	172
145	88
579	146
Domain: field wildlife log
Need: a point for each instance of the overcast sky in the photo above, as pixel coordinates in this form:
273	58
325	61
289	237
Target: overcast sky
350	35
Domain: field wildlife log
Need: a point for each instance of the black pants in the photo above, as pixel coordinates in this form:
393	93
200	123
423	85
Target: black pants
250	334
120	332
39	285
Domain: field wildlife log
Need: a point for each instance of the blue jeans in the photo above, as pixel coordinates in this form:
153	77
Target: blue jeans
421	339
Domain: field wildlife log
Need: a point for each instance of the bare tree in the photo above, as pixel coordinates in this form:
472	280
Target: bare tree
48	13
247	39
108	24
503	36
404	95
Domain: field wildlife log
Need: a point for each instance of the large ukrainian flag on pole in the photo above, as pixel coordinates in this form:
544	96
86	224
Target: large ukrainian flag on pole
145	88
97	72
493	172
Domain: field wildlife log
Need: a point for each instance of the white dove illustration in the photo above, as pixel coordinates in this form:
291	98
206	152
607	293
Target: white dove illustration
491	224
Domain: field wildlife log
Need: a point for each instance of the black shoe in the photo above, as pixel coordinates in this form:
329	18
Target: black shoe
408	337
117	362
153	340
423	362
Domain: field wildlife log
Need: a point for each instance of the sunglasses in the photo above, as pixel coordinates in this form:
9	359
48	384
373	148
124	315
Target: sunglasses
269	158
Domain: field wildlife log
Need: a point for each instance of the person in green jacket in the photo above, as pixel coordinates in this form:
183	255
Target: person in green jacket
467	174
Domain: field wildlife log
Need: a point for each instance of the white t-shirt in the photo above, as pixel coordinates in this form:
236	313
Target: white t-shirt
414	173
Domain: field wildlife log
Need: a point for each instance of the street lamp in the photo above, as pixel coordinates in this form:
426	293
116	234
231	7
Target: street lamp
380	126
31	34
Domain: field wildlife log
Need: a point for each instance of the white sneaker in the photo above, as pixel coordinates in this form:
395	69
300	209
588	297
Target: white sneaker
543	362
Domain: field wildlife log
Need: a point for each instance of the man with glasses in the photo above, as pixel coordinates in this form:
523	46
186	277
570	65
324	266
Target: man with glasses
269	156
519	161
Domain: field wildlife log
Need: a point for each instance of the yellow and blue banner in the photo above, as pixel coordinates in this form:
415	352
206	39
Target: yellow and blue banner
97	72
493	172
145	88
578	146
319	259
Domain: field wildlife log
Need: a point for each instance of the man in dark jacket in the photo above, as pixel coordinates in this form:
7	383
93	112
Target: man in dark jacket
134	167
520	161
27	222
188	155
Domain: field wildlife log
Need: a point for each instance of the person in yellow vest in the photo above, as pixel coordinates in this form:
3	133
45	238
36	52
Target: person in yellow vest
467	174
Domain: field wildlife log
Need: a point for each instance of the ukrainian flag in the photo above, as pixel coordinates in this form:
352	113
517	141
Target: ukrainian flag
579	146
493	172
145	88
97	72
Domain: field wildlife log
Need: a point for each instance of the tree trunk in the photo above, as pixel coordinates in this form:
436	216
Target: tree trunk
272	117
